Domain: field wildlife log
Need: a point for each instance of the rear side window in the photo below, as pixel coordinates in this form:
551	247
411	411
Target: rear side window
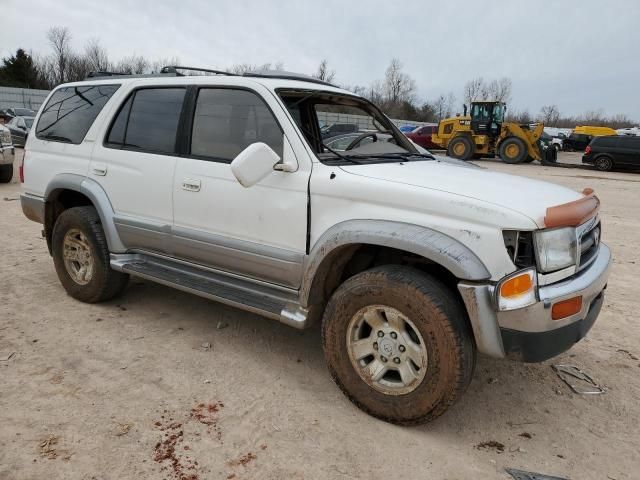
227	121
148	121
606	142
70	112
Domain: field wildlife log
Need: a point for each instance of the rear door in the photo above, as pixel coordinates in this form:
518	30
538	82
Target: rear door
135	165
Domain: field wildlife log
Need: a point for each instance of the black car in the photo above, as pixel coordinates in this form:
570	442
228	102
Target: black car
338	129
576	141
13	112
607	153
19	128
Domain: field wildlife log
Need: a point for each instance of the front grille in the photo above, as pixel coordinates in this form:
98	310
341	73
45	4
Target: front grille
588	245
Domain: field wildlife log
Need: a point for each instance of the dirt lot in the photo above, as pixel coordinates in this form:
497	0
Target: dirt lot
91	390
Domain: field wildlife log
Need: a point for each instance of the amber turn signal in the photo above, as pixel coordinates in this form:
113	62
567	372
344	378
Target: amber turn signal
566	308
516	286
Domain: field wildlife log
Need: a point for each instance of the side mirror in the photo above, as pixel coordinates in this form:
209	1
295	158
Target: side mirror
254	163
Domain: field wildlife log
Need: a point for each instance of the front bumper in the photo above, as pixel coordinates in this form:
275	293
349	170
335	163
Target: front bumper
7	155
529	334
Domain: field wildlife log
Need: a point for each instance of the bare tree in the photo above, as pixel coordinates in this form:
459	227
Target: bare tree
440	107
60	40
549	115
96	56
240	68
499	90
323	73
474	90
132	65
398	86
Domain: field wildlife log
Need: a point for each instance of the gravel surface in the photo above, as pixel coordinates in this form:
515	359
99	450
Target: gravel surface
126	390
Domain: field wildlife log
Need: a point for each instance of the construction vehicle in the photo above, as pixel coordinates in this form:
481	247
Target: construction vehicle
484	133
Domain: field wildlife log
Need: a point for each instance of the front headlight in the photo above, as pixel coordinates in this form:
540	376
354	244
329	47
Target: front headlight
5	137
555	249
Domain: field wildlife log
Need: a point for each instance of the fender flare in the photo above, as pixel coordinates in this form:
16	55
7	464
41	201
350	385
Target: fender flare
92	190
426	242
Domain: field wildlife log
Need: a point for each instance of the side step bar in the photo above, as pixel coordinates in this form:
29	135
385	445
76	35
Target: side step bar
268	301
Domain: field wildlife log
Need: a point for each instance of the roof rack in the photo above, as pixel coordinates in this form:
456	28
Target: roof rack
286	76
174	69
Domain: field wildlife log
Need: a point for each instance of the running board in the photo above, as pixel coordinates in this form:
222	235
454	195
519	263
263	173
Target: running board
262	299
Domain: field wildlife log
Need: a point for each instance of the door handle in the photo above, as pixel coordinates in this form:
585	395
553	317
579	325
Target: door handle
99	169
191	185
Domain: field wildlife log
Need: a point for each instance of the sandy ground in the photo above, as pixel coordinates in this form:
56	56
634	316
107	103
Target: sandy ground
91	390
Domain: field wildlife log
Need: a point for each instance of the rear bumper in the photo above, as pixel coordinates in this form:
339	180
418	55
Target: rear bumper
530	334
32	207
588	159
7	155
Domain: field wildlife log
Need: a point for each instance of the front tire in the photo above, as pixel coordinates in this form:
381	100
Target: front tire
397	344
513	150
81	257
6	173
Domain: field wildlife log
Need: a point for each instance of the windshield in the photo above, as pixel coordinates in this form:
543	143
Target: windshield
342	128
21	112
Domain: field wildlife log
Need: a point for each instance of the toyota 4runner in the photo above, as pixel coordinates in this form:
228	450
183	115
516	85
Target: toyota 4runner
220	185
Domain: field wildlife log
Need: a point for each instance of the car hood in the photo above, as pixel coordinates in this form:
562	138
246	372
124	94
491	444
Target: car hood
523	195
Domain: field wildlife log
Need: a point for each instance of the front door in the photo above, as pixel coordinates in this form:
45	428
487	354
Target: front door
258	232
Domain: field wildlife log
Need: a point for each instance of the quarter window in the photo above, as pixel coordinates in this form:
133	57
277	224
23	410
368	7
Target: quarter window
70	112
148	120
227	121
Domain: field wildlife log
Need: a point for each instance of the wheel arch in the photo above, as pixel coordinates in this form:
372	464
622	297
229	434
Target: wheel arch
338	246
69	190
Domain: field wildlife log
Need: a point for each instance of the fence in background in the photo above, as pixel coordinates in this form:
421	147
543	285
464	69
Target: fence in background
21	97
28	98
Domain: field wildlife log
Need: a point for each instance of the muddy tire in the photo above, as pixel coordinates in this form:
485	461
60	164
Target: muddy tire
461	147
513	150
6	173
81	257
412	325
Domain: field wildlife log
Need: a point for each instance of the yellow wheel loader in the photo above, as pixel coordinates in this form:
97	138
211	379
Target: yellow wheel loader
484	133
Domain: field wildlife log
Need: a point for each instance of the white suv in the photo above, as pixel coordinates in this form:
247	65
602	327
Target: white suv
220	185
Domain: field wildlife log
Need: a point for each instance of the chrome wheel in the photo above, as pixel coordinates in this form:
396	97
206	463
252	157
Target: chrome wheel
604	164
386	350
78	259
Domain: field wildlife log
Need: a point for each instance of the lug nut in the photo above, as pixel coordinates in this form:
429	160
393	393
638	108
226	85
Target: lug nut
396	360
383	358
375	345
380	333
401	348
394	335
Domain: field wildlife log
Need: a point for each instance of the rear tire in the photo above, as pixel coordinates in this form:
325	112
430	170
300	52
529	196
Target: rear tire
513	150
460	147
6	173
418	323
81	257
603	163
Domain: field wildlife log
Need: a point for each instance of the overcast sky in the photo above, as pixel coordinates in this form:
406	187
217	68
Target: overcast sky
580	55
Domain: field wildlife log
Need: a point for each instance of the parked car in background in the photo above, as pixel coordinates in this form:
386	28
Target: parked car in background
19	128
613	152
422	136
342	143
338	129
581	136
7	154
8	113
407	128
629	131
551	141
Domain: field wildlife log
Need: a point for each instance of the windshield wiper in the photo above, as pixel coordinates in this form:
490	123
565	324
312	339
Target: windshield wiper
407	157
57	138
